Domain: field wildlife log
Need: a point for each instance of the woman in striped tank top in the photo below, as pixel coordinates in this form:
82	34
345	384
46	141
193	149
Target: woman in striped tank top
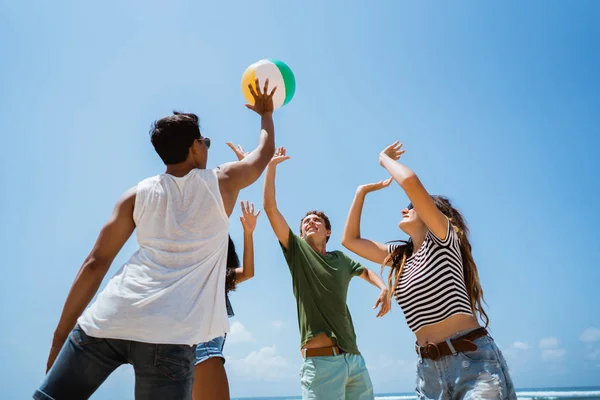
434	279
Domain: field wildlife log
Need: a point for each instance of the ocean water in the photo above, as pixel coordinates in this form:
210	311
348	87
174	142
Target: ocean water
522	394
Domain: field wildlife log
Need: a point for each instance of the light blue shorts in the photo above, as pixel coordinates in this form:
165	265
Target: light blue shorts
344	376
210	349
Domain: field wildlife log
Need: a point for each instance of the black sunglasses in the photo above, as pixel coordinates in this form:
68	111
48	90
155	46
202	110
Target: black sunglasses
410	206
206	141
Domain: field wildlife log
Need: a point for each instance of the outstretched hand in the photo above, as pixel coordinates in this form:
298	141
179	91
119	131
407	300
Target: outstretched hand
372	187
263	101
384	301
279	157
248	218
393	151
239	151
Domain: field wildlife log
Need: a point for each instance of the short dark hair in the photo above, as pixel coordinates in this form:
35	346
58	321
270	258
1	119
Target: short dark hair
319	214
172	136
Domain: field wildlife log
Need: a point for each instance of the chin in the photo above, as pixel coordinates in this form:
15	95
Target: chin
403	225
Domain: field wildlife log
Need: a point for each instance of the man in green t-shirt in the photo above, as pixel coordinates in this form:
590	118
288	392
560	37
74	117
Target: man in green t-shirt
332	366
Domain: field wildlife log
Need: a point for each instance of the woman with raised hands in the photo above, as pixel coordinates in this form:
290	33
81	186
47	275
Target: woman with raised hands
434	280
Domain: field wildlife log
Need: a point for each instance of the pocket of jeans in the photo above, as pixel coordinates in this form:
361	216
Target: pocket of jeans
83	339
175	361
484	354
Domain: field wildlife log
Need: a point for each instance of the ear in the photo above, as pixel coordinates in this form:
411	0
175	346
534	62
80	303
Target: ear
194	148
328	233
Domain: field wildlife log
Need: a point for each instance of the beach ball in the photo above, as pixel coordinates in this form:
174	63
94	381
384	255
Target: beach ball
279	75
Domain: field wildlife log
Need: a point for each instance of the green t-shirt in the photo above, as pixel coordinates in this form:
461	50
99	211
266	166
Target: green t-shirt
321	286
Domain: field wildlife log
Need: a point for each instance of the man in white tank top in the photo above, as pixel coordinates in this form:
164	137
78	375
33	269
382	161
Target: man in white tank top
170	294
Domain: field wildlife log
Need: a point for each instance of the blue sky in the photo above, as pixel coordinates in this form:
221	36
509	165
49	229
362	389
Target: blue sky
497	105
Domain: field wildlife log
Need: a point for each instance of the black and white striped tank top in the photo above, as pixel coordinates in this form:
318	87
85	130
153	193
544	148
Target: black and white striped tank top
432	286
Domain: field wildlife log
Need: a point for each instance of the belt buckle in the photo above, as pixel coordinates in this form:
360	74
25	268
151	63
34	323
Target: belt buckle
428	351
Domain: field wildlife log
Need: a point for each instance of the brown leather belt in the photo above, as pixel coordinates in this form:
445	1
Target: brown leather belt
464	343
322	352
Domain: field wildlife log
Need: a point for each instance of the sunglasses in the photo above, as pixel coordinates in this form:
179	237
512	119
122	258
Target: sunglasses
205	140
409	207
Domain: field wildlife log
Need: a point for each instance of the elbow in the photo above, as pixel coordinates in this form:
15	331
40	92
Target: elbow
96	265
348	239
409	181
345	241
348	243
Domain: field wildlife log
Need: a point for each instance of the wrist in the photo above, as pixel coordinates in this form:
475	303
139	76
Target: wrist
382	158
361	191
267	114
248	234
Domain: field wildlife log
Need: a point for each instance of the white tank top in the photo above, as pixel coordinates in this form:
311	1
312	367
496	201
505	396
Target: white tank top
172	289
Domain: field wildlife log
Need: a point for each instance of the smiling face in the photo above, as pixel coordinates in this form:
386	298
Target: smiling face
315	227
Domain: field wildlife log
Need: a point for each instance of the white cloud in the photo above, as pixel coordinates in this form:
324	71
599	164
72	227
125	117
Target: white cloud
593	354
517	354
590	335
277	324
551	350
264	364
239	334
553	354
549	343
520	345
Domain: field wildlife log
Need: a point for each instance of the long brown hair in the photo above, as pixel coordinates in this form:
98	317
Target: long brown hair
397	259
233	262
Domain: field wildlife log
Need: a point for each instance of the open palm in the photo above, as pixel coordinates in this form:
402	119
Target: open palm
372	187
248	218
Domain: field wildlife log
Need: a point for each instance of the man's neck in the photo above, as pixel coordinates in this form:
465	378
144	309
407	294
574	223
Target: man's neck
320	247
179	170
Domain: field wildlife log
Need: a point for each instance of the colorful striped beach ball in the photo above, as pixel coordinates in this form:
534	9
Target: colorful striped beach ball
279	75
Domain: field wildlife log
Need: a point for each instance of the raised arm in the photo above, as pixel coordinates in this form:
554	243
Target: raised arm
421	200
351	238
111	239
237	175
278	223
248	220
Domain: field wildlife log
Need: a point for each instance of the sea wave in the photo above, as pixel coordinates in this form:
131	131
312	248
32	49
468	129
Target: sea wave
556	394
524	395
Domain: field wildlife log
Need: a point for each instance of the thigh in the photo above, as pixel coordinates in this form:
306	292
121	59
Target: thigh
359	386
210	349
210	380
324	378
481	373
82	365
163	371
429	384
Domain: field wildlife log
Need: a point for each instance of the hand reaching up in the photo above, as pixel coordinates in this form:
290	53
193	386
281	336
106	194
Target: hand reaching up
239	151
248	218
263	101
279	157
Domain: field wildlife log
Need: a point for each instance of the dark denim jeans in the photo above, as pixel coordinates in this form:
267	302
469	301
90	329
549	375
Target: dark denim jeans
162	371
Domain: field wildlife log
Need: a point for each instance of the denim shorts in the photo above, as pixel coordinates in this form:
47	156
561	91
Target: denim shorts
210	349
479	374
